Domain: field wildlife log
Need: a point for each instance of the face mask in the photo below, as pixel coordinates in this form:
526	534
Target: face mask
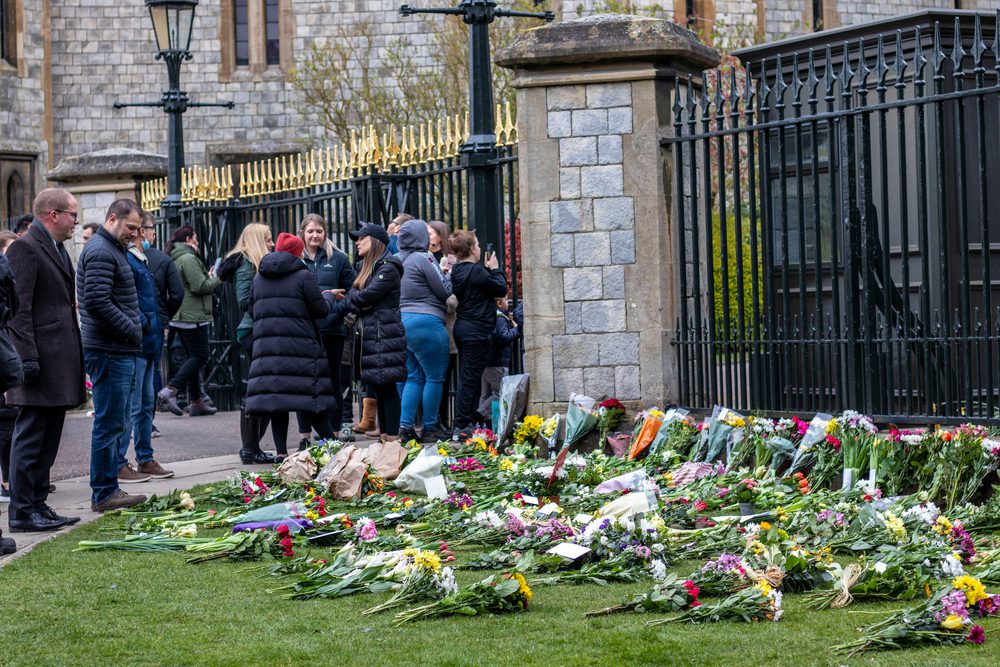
145	244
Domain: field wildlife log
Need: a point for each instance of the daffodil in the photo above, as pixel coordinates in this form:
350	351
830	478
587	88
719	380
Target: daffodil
953	622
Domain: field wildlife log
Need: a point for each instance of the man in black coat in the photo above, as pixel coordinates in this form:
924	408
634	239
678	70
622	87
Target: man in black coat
112	337
47	337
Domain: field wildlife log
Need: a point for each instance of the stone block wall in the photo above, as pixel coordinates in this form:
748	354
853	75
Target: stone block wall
22	101
116	62
592	224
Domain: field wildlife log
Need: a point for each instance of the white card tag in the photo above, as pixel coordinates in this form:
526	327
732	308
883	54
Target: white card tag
569	550
529	500
550	509
583	518
436	487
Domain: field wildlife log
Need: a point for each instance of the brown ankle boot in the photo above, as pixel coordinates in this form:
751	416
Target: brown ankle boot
200	408
367	422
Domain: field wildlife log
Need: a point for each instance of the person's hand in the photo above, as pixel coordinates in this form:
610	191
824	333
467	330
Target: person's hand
31	370
491	262
393	229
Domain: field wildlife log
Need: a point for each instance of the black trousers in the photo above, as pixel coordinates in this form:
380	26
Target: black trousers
37	431
388	408
188	376
473	354
330	423
8	415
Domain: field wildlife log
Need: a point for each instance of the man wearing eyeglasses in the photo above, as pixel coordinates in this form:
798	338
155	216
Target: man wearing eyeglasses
47	337
112	327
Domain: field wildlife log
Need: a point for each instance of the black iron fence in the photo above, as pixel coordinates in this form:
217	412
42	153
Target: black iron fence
838	219
373	180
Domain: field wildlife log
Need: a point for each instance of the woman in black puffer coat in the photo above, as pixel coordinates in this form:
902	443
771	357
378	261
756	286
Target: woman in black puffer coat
289	372
375	298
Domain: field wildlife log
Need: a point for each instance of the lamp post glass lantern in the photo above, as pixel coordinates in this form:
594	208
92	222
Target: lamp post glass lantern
172	21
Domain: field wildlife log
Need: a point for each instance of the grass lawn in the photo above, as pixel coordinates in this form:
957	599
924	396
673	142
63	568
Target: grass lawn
103	608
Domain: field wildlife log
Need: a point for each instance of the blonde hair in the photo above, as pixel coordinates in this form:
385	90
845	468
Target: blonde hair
316	219
6	238
376	250
252	243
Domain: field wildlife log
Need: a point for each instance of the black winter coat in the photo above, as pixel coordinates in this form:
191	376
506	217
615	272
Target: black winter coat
289	371
383	339
109	305
169	288
45	327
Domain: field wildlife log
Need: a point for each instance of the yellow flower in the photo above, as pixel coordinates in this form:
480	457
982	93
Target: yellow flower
973	588
523	588
942	526
407	503
506	464
764	525
187	502
763	587
952	623
831	426
312	515
781	514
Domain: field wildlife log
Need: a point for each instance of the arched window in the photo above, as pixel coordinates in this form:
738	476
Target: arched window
8	31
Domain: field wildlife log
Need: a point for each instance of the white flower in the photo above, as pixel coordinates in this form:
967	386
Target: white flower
187	502
951	567
881	567
658	569
445	581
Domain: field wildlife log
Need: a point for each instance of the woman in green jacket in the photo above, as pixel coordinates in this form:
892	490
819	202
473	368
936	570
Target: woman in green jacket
191	323
241	265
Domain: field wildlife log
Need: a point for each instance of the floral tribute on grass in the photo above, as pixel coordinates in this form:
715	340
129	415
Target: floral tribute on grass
826	507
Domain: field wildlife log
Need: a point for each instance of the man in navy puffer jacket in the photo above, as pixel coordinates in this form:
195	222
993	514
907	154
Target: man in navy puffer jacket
112	330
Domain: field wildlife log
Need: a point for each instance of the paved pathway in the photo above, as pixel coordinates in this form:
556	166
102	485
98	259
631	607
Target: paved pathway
198	449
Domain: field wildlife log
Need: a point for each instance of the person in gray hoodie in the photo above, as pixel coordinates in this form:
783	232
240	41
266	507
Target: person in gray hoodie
422	296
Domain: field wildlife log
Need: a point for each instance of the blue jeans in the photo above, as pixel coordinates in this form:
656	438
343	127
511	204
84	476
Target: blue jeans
112	376
426	366
142	403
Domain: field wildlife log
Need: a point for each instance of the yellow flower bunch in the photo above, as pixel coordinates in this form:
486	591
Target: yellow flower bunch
831	426
734	420
423	559
442	451
528	429
765	525
895	526
942	526
764	587
523	588
506	464
781	514
549	426
973	589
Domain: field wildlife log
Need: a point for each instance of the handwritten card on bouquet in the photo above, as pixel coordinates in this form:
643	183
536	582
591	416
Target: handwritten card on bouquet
569	551
436	487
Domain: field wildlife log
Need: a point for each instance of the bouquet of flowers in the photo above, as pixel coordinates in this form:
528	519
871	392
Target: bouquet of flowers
425	579
944	618
609	415
760	602
721	576
670	594
527	430
815	433
248	545
856	433
725	425
647	425
580	418
497	594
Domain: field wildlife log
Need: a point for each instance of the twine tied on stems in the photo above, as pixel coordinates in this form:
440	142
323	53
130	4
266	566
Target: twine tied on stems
848	578
772	574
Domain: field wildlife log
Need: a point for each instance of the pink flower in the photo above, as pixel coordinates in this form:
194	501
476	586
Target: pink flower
977	635
700	505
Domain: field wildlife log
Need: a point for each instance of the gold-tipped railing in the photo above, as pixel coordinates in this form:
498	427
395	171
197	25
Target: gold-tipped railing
367	152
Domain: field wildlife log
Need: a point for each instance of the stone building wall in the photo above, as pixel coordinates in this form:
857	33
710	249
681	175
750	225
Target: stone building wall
22	101
116	63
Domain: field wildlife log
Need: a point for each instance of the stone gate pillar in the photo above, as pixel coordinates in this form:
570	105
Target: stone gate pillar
594	99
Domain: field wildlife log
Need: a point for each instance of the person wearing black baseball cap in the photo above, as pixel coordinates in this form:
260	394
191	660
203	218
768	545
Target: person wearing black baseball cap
374	296
376	232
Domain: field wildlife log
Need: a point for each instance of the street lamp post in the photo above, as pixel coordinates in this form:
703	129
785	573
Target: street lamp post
479	152
172	23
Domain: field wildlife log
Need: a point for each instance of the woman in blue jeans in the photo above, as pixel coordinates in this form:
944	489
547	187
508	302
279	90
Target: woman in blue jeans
422	296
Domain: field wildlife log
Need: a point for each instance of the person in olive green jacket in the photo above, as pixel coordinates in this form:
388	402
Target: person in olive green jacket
191	324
